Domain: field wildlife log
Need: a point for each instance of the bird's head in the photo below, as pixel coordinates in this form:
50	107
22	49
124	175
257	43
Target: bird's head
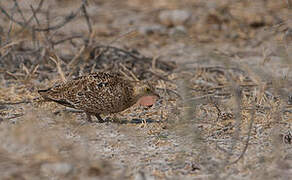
143	89
145	93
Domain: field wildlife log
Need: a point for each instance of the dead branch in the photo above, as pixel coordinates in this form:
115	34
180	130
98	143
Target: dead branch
83	7
19	10
247	140
73	62
24	24
58	65
171	91
116	49
129	71
67	39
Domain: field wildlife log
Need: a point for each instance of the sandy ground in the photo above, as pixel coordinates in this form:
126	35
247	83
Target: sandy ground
221	68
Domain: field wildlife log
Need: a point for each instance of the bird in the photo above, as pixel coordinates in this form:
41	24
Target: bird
99	93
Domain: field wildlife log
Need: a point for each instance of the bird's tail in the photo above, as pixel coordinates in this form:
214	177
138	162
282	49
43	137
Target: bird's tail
47	95
44	93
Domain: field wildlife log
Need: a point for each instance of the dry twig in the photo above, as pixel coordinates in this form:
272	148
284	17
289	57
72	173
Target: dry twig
58	65
65	21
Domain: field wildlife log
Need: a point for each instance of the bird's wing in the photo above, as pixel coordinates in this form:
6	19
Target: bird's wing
99	90
56	94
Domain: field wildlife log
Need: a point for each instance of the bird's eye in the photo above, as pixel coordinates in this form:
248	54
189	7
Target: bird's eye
147	89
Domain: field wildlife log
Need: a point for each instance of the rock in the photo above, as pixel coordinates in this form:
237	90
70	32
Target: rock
143	176
174	17
59	169
177	30
152	29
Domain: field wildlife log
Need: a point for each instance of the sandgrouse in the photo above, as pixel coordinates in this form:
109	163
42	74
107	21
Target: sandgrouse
98	93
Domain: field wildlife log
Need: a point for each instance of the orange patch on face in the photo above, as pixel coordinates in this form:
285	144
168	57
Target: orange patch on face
147	100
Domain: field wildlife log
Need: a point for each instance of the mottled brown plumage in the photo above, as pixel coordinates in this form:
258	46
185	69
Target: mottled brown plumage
98	93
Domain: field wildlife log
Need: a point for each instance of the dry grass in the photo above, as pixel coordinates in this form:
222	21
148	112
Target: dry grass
225	111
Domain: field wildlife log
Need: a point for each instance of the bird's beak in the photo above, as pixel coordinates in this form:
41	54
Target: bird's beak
148	100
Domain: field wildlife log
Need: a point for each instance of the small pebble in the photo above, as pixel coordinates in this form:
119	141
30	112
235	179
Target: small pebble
61	169
152	29
174	17
177	30
143	176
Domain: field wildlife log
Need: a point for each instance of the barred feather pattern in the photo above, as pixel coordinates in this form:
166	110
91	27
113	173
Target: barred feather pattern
96	93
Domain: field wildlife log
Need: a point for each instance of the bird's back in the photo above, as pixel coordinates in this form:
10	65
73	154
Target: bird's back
97	93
